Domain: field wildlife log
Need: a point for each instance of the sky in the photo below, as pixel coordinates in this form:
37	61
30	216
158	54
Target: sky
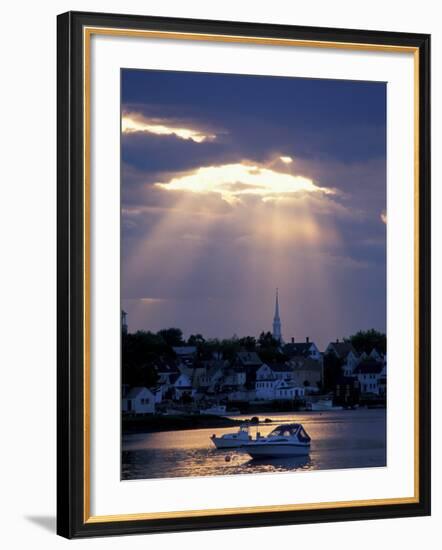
235	185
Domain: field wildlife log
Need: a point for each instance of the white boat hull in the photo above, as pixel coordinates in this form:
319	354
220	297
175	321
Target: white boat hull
325	405
217	411
275	450
221	443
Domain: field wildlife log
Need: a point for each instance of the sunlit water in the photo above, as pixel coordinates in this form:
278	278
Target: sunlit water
340	439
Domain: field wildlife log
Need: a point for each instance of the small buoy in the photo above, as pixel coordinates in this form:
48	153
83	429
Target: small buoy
227	458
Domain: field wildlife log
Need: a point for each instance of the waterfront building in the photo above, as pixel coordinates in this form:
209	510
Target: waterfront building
274	372
307	371
369	374
139	400
183	385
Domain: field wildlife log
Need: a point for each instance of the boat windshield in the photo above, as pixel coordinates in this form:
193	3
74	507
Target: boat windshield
290	431
303	435
285	431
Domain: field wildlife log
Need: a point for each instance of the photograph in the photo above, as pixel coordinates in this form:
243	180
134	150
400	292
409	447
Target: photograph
253	274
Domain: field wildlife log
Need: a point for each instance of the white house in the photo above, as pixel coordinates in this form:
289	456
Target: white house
347	353
265	388
183	385
350	363
274	372
287	390
139	400
158	392
166	374
369	374
376	355
277	388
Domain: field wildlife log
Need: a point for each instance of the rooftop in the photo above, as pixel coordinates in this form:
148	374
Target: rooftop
298	348
342	349
369	366
248	358
135	392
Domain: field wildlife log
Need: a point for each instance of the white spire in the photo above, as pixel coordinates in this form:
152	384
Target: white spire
276	321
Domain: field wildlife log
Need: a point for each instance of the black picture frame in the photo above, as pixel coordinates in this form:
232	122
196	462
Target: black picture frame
72	520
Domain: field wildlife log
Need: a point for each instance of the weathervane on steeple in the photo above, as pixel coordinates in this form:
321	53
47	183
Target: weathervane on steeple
277	321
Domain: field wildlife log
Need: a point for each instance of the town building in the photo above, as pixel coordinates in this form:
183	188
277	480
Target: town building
272	389
307	372
302	349
274	372
139	400
167	373
249	362
371	376
183	386
288	391
347	354
347	391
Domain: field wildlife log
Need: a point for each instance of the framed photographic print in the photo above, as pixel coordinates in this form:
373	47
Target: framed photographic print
243	274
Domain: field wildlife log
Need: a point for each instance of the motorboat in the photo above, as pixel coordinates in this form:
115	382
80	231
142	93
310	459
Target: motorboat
232	440
285	440
215	409
323	405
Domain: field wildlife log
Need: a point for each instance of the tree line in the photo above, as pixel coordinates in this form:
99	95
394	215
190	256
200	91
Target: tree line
142	350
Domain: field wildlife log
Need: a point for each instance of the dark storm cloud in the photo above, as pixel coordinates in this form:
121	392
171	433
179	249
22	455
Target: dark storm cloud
342	119
195	261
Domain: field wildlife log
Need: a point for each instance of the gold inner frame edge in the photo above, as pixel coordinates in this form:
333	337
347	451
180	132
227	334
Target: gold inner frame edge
87	33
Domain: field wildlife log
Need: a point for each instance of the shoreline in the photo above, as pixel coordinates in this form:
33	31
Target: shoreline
168	423
181	422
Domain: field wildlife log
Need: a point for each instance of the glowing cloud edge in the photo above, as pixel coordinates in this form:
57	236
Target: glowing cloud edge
232	181
132	123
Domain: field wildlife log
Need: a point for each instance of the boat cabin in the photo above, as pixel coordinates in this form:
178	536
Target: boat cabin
291	430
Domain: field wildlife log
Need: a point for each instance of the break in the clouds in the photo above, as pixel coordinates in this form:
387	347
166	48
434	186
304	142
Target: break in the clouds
233	181
137	123
234	185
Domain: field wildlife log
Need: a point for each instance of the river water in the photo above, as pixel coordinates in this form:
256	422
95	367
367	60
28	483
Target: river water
340	439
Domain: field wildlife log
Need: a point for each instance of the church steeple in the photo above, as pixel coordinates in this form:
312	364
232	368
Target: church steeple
277	321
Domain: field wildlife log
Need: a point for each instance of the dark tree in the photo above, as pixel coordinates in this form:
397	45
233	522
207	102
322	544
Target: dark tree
195	340
186	398
248	343
139	375
332	371
140	347
269	349
367	340
230	347
266	341
172	336
208	348
139	353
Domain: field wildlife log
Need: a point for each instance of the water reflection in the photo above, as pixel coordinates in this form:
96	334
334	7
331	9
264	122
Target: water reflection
340	439
285	463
